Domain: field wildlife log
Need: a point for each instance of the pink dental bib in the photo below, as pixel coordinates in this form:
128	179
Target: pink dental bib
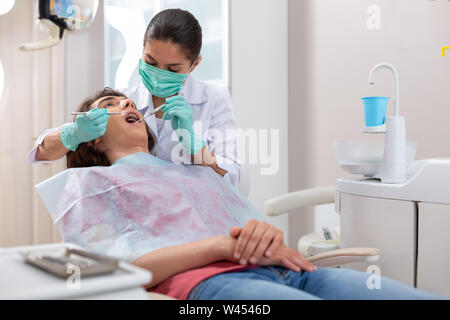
126	211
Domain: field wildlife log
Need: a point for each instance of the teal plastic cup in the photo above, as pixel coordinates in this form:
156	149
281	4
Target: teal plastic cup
375	110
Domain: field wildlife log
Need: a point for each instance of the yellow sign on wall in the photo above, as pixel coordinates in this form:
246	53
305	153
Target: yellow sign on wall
443	50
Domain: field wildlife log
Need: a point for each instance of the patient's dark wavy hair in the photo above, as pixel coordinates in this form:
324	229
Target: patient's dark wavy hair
86	155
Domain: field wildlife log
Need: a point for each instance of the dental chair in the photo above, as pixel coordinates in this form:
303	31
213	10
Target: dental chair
302	199
327	258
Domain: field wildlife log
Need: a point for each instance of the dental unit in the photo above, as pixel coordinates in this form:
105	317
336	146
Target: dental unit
397	206
400	206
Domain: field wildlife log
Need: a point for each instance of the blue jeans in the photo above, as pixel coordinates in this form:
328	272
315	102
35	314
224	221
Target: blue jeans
275	282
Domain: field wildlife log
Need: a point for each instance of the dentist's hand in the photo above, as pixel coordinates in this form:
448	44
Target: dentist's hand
180	114
86	128
255	239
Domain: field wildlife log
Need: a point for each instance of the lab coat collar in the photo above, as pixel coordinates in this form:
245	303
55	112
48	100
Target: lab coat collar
194	91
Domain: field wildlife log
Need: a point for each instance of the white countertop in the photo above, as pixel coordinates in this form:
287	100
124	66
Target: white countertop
428	181
19	280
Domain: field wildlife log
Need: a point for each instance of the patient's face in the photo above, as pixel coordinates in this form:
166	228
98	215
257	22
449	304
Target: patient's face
123	130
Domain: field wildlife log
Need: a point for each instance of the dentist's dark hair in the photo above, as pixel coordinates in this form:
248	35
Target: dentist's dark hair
178	26
86	155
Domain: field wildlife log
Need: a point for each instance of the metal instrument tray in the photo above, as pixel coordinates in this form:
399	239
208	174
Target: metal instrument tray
63	263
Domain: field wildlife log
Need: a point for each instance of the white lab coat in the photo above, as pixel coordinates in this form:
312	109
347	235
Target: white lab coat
213	121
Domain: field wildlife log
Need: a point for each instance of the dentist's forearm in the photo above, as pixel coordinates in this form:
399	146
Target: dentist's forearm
51	148
207	159
166	262
218	169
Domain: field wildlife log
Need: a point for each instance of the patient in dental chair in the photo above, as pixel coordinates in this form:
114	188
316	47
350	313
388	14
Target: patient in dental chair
183	223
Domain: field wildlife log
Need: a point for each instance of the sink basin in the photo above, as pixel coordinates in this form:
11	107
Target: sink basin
428	181
364	157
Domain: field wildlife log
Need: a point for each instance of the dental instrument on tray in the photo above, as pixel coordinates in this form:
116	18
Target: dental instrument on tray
57	262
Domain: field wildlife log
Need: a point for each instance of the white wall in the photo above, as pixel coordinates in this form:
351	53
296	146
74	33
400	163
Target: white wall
34	94
259	86
15	224
84	56
411	37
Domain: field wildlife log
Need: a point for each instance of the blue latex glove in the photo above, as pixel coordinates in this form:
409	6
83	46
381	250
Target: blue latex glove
86	128
180	114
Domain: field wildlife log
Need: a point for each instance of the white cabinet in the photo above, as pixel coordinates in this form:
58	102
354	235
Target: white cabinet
388	225
413	238
433	257
408	222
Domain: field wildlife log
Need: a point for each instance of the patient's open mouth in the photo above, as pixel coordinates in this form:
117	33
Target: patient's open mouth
132	117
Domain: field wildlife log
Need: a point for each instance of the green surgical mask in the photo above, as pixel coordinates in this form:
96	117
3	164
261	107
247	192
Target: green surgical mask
162	83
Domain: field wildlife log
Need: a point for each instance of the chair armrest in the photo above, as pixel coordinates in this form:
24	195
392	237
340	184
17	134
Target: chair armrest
299	199
345	256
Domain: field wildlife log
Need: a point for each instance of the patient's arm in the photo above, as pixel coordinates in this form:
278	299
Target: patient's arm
51	148
166	262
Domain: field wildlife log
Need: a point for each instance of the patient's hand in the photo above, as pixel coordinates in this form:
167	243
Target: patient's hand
255	239
284	256
289	258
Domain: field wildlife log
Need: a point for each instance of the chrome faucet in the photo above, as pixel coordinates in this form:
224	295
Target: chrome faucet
393	167
395	73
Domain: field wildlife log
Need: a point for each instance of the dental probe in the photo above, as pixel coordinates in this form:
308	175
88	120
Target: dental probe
143	110
82	113
153	112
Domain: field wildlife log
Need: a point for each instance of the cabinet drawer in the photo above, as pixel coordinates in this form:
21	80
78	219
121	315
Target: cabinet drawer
433	257
388	225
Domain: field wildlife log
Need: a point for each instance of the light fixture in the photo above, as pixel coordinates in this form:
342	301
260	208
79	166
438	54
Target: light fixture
6	6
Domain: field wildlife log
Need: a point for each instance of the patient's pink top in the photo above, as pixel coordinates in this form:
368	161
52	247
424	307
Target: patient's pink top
180	285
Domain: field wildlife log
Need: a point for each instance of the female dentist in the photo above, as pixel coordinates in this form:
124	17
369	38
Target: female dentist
196	126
